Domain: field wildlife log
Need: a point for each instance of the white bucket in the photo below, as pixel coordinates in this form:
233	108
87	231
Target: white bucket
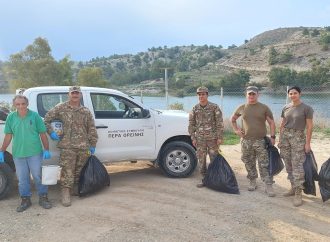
50	174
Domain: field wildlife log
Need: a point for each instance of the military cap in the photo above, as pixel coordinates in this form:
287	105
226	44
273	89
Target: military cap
253	89
74	89
202	89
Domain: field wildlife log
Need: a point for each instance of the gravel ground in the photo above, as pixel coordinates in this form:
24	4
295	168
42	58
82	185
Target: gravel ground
142	204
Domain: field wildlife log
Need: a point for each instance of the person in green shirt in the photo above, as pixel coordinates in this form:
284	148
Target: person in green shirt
28	132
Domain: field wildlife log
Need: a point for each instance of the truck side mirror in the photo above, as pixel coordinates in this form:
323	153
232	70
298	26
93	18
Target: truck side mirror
145	113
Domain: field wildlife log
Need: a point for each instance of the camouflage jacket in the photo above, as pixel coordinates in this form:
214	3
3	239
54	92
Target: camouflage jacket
206	122
79	130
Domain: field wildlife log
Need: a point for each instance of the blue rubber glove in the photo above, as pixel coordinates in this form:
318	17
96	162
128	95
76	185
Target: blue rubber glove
46	155
2	157
54	136
92	150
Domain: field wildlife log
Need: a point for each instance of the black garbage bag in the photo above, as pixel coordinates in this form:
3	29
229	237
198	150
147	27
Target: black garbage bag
311	175
93	177
220	176
276	164
324	180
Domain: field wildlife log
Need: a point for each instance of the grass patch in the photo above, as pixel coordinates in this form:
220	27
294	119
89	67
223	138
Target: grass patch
230	138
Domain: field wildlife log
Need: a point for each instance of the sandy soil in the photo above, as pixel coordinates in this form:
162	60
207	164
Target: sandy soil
142	204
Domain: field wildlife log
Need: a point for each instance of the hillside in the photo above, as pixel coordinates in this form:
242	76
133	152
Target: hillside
253	56
296	48
275	58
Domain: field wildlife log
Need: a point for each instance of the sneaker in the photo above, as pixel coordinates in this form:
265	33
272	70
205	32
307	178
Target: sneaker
25	204
44	202
253	185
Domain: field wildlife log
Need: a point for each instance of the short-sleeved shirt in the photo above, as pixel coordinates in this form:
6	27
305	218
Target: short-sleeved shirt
254	118
25	132
295	116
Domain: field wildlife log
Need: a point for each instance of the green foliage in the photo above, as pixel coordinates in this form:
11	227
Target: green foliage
176	106
315	33
230	138
284	76
281	76
236	79
275	57
305	31
327	28
325	38
233	46
35	66
272	59
91	76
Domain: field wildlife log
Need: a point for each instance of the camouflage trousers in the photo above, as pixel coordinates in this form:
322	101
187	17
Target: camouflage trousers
72	162
205	147
292	150
253	150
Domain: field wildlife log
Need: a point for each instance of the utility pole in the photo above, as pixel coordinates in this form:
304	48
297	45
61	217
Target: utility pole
166	85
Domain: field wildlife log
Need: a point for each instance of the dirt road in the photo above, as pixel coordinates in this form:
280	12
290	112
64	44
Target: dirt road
144	205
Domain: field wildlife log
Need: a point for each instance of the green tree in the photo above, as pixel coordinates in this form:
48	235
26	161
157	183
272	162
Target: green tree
91	76
272	59
35	66
305	31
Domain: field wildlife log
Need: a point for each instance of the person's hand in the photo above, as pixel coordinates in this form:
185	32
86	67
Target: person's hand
54	136
240	132
2	157
307	148
272	140
92	150
219	141
46	155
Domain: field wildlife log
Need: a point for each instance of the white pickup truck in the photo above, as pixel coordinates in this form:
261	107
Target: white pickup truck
127	130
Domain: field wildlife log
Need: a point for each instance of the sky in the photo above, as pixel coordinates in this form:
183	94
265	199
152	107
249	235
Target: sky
85	29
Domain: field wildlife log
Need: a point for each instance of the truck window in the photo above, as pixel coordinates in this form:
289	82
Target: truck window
108	106
47	101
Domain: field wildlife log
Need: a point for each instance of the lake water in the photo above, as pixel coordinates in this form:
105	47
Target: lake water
319	102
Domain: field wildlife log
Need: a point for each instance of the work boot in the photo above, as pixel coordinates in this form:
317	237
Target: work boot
25	204
297	200
74	190
269	190
290	192
253	185
44	202
66	198
200	185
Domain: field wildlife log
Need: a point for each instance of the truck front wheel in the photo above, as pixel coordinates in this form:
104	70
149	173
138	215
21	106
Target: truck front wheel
6	179
178	159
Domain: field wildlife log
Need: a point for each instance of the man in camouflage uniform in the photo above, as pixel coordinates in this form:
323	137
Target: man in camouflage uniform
254	116
78	139
205	129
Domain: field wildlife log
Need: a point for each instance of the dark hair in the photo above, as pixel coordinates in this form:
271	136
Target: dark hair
295	88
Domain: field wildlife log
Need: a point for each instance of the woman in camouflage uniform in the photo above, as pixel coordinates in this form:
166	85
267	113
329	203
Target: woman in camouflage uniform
294	143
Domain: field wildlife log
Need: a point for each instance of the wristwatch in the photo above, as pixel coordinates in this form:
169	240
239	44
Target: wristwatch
273	136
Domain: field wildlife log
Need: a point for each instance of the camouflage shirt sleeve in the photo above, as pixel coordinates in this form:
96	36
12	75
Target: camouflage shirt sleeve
219	122
91	130
49	117
192	124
